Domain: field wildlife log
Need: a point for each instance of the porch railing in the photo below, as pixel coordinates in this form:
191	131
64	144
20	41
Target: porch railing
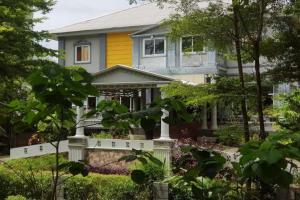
118	144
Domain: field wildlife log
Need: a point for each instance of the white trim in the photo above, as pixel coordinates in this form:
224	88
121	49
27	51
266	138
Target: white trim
89	54
154	55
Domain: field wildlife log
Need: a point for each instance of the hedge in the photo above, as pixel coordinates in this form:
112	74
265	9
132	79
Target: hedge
92	187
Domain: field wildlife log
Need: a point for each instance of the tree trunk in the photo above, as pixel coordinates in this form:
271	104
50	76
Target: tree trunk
262	133
241	73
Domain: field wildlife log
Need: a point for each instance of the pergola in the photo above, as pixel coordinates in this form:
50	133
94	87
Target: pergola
125	81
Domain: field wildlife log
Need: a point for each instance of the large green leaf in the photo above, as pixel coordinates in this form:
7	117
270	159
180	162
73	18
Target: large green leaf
138	176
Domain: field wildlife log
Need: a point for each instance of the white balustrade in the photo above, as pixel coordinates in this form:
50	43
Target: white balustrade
146	145
37	150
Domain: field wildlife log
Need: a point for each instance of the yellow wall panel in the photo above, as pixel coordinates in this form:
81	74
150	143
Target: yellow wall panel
119	49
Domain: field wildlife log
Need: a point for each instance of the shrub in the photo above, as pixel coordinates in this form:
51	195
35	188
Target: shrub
109	170
231	135
180	192
46	162
92	187
103	187
26	183
17	197
102	135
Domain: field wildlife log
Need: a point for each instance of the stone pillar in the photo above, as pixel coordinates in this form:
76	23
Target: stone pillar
163	151
161	191
78	143
214	116
204	116
77	146
163	145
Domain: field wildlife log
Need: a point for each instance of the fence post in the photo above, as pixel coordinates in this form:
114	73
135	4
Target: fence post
163	151
161	191
77	146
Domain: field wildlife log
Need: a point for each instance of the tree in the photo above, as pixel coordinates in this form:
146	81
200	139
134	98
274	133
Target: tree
283	46
20	50
20	46
49	107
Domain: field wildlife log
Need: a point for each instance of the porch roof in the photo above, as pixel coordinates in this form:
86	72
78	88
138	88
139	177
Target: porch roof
121	77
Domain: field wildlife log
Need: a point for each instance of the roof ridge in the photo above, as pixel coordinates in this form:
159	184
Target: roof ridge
105	15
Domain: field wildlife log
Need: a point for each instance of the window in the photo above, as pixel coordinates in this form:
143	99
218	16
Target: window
154	47
192	44
91	102
82	53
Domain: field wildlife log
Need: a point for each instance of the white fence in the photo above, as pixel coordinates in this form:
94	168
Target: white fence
47	148
146	145
37	150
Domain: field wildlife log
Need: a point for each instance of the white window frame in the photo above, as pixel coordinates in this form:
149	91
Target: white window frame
75	55
154	55
191	52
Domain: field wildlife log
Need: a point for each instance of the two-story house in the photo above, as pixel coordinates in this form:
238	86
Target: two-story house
136	38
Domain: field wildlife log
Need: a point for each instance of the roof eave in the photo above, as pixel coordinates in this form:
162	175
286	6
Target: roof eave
98	31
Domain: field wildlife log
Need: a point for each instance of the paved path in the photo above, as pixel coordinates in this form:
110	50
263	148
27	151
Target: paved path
4	158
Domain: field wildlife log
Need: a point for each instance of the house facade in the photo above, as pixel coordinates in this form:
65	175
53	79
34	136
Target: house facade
137	38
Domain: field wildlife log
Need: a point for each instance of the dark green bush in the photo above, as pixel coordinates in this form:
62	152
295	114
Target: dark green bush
26	183
93	187
17	197
103	187
231	135
46	162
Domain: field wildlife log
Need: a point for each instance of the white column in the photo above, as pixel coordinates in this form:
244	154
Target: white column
214	117
204	116
79	122
79	142
164	127
148	97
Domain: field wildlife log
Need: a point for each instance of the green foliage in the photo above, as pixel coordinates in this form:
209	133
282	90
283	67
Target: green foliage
199	188
30	184
288	113
91	187
231	135
102	136
120	121
151	169
54	90
208	163
20	44
269	163
17	197
104	187
115	117
190	94
283	46
45	163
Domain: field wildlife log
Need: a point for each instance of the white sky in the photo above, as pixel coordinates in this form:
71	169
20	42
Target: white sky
67	12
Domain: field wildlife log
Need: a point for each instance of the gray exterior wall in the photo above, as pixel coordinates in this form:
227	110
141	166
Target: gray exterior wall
62	50
95	63
174	61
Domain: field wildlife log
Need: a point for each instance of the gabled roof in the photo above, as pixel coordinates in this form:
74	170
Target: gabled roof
136	17
126	76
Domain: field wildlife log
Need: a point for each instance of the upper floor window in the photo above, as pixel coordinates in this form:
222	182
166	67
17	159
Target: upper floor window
83	53
192	44
154	47
91	102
